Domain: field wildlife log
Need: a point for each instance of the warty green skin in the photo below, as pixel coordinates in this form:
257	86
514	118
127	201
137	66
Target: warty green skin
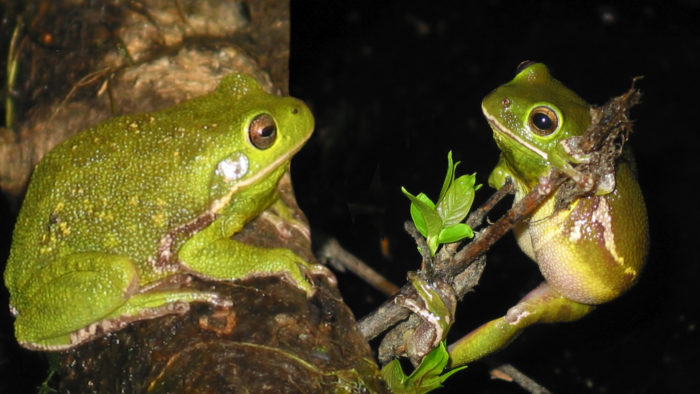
588	253
123	207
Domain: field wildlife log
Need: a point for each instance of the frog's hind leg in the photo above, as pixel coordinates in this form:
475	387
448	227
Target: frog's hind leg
70	293
541	305
83	295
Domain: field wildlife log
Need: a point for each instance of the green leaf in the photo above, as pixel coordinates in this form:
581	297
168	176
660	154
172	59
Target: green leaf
424	215
449	177
434	221
433	243
427	377
449	373
432	366
454	233
455	204
394	376
419	212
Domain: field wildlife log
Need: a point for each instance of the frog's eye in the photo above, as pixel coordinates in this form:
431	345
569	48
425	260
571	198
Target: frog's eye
523	65
262	131
543	121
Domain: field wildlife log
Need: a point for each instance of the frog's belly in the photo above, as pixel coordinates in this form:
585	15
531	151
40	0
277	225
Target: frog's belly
594	250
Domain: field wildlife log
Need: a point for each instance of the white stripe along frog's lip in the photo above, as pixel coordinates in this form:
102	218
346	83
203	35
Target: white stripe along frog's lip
497	126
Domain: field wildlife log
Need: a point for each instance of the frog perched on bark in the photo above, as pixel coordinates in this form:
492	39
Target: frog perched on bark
117	218
591	250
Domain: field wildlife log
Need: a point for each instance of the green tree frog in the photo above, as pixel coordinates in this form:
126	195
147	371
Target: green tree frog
589	252
119	217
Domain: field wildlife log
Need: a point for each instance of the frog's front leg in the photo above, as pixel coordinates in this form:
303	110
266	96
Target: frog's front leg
541	305
210	256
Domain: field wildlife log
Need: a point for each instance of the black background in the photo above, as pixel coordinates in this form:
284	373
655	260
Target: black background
397	84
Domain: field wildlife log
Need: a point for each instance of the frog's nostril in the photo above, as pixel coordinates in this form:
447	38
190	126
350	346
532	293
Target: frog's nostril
505	102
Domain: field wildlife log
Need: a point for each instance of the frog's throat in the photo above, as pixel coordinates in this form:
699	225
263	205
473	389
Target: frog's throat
498	127
218	204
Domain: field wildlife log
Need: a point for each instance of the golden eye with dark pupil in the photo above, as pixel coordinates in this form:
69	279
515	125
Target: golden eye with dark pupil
543	121
262	131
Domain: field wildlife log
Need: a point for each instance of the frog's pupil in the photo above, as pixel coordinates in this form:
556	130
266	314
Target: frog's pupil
542	121
267	131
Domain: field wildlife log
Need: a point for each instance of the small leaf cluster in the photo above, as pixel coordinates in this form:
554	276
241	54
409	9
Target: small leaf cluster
425	378
441	222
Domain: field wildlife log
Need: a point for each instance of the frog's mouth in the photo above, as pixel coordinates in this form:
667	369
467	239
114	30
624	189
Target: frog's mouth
498	128
220	203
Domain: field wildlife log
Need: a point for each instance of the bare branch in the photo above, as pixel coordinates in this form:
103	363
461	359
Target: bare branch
509	373
332	250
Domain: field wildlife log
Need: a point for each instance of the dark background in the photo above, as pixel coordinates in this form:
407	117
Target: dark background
397	84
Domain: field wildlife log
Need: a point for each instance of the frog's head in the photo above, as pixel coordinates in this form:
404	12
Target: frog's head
529	116
258	135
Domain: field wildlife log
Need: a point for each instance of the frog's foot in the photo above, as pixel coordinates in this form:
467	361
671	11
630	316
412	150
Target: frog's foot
435	306
287	264
542	305
319	270
294	269
227	259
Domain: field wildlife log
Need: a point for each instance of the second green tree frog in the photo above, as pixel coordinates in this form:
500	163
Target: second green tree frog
589	252
119	216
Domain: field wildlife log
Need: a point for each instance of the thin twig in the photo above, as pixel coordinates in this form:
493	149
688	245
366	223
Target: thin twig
477	216
333	251
411	229
510	373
